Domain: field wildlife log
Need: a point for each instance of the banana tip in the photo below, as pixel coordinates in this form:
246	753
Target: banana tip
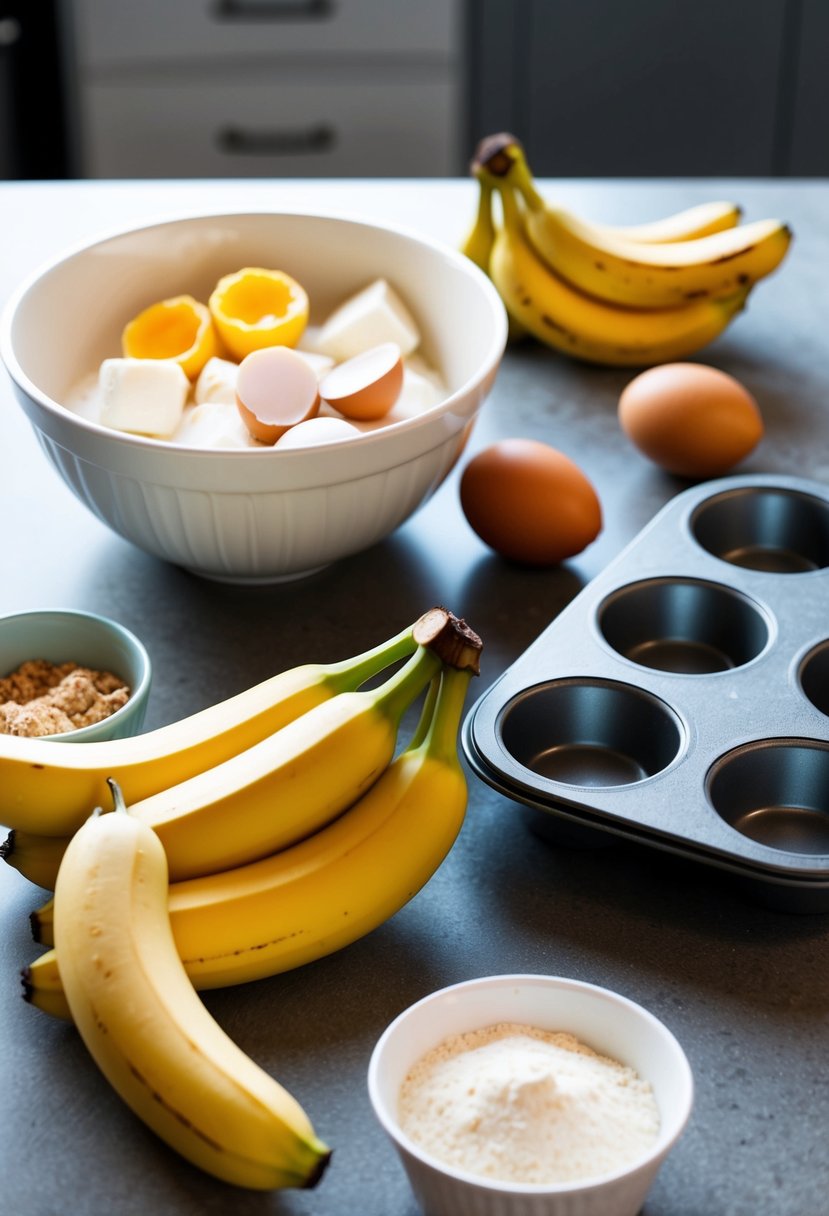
7	846
320	1166
26	982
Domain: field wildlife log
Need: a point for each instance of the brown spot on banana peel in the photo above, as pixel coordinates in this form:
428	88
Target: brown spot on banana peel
214	958
559	329
172	1110
306	1183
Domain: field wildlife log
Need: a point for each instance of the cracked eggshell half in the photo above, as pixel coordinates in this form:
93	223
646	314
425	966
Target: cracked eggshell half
366	386
275	390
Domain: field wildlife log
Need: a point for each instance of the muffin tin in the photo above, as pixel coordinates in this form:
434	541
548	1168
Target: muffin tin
681	700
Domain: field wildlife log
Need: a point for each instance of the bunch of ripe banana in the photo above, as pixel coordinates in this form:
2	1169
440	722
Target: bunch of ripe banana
258	835
631	296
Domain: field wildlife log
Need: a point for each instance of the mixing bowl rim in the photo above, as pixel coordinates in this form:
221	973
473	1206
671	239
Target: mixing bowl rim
31	390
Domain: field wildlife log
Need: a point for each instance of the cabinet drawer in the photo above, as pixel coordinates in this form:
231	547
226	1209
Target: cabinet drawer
157	31
310	128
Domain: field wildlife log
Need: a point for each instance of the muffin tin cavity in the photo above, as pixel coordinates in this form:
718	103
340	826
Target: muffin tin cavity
814	677
683	625
772	529
590	733
776	792
681	700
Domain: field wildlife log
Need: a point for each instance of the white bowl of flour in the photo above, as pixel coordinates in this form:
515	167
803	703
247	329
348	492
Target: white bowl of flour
530	1095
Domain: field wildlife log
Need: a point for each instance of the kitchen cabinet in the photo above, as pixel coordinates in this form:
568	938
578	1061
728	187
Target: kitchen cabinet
383	88
649	88
809	154
267	88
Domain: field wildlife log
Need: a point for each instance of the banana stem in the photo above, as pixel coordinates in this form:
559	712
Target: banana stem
117	797
450	638
398	692
484	218
500	158
425	719
522	179
512	213
350	673
441	741
478	245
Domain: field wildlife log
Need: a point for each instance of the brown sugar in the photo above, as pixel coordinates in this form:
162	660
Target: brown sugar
43	698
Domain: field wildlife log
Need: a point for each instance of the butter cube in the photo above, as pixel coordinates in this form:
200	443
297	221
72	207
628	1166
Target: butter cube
214	424
142	396
372	316
217	381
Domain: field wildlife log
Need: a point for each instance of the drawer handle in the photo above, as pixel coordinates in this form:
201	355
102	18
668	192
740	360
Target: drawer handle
273	10
237	142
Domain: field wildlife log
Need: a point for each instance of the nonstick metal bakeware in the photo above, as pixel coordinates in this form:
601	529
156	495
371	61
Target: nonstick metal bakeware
681	700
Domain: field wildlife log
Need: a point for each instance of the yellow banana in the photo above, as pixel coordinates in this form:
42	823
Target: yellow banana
305	774
42	985
685	225
147	1030
479	240
42	922
656	276
478	247
342	882
35	857
323	893
702	219
49	788
290	784
637	274
587	328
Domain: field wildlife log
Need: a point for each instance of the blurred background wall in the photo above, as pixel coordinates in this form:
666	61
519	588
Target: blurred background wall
405	88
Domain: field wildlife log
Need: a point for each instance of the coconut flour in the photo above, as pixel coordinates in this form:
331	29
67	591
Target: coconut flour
514	1103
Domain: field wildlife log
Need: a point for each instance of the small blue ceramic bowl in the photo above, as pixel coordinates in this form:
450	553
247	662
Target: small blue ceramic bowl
67	635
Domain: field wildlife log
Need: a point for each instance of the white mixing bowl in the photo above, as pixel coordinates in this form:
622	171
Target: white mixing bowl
249	515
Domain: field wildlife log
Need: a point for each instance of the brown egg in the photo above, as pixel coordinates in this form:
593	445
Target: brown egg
529	502
366	386
692	420
275	389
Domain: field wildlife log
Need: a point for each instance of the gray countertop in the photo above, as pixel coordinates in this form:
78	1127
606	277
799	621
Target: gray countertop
744	988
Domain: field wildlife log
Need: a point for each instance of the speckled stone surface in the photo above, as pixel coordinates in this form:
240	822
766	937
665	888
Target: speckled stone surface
744	988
